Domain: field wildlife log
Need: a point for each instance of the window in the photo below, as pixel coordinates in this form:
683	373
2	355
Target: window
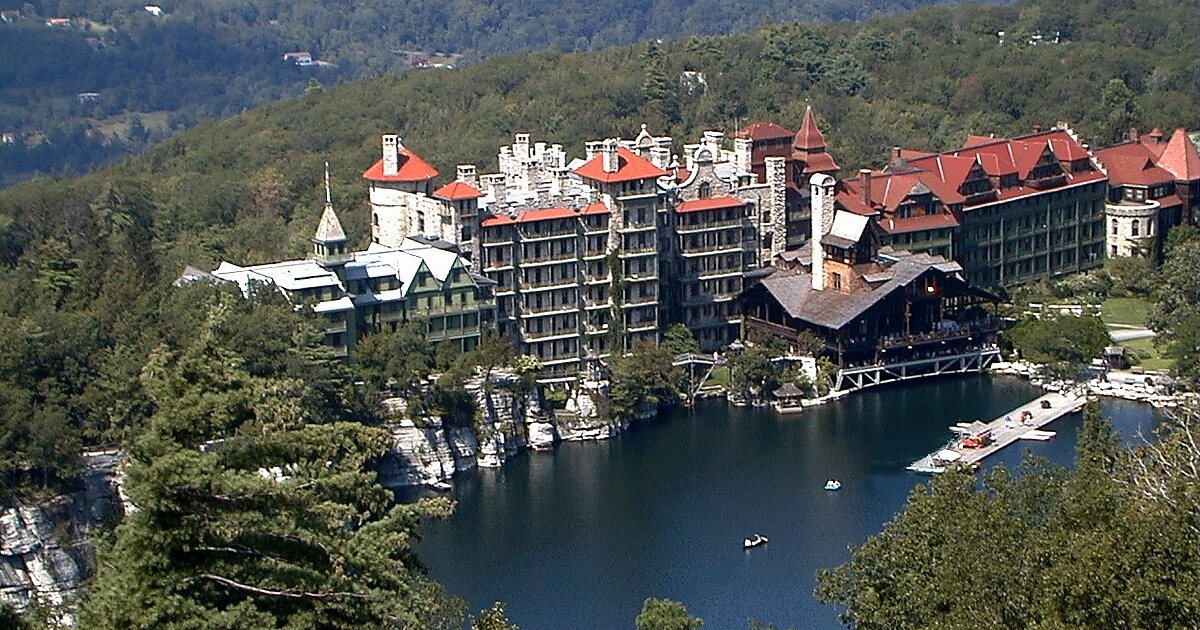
705	190
1114	227
837	280
1136	227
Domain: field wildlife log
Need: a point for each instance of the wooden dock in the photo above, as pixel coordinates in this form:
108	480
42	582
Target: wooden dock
1008	429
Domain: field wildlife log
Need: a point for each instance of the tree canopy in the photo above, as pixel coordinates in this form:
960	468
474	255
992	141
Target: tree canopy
254	511
1110	544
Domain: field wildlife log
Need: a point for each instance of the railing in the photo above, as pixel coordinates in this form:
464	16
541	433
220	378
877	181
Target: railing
963	331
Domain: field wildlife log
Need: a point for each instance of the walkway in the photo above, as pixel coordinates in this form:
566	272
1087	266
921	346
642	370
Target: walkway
1008	429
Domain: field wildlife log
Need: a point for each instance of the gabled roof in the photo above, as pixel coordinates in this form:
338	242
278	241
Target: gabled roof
329	230
410	168
809	137
455	191
816	162
630	167
1132	164
834	309
714	203
1180	157
762	131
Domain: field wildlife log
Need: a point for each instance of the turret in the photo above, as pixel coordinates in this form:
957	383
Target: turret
822	221
330	242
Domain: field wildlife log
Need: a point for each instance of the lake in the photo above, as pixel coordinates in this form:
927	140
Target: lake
580	536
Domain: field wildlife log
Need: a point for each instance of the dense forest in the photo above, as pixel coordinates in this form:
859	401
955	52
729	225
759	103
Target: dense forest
117	77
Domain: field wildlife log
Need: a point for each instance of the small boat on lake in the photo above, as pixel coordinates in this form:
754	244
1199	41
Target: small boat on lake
757	540
833	485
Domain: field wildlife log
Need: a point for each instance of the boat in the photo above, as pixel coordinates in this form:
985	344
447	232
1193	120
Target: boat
441	485
833	484
757	540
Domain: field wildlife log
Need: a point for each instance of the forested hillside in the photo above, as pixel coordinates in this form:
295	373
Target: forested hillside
87	261
114	76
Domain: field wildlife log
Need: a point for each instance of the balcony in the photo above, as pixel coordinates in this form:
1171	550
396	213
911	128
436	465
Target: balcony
964	331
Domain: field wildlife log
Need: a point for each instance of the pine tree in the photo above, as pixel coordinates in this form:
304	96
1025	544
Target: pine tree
253	513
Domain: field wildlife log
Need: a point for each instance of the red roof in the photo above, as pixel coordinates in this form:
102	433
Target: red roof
410	168
809	137
543	214
1180	157
630	167
713	203
816	162
762	131
681	174
900	225
455	191
1132	163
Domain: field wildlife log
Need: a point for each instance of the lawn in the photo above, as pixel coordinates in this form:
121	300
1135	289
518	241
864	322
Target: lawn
1125	311
1149	355
720	376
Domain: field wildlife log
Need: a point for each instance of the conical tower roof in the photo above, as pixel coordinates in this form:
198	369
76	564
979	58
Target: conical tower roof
1180	157
809	138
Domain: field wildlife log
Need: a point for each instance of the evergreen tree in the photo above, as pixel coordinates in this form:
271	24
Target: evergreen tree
664	614
253	513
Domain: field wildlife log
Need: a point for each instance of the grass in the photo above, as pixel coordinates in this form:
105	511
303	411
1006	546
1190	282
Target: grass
720	376
1125	311
1149	355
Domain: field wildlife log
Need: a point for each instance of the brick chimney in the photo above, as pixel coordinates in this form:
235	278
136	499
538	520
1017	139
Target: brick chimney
391	159
865	175
895	153
822	218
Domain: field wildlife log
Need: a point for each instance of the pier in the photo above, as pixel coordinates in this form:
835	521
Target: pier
1007	429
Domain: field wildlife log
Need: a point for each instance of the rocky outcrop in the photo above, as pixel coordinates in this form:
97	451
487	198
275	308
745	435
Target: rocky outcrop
45	547
427	450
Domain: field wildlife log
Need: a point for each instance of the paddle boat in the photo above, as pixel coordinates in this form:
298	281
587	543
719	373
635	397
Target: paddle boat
757	540
833	485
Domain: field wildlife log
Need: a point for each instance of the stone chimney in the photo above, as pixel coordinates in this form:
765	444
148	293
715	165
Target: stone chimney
895	153
468	175
713	140
822	220
777	179
1133	133
611	160
865	175
391	158
521	146
742	151
1037	129
592	149
660	157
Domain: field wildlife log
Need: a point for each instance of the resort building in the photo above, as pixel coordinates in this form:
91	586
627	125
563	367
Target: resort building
879	313
374	290
1153	186
1009	211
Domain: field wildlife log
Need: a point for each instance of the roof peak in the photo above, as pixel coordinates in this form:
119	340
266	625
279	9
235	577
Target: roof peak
1180	157
329	229
809	137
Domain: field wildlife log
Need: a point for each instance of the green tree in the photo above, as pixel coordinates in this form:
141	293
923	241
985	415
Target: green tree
493	619
1176	313
665	614
642	378
678	339
1064	339
253	513
1119	109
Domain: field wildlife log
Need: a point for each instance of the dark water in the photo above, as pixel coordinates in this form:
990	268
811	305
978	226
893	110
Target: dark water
579	537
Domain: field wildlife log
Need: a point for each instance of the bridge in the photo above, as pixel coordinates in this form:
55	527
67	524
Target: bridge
705	362
856	378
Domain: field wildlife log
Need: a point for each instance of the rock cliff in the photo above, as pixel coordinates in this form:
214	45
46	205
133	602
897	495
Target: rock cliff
45	547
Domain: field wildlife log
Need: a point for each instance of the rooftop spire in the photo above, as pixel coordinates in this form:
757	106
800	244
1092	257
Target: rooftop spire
329	230
809	138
